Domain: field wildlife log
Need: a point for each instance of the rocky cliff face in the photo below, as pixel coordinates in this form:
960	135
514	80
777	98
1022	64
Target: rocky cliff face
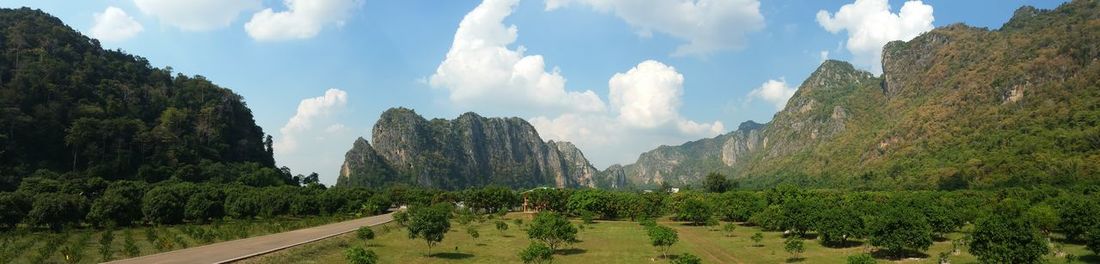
955	107
468	151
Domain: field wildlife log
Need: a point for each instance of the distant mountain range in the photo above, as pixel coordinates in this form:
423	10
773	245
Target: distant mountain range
955	107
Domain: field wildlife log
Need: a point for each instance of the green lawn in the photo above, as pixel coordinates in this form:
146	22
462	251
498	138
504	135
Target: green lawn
84	246
605	242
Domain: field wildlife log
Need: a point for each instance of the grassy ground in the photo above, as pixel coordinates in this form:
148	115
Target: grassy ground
605	242
86	246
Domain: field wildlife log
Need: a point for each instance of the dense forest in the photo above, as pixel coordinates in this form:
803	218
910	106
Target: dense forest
71	110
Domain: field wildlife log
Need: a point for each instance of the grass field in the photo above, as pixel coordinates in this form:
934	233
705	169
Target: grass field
89	245
604	242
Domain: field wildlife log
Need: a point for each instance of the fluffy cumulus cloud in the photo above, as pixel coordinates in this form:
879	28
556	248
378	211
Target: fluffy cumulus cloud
870	25
114	25
313	117
480	73
480	70
302	19
776	92
196	15
706	25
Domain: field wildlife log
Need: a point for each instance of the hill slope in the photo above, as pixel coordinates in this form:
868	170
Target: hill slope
468	151
955	107
69	106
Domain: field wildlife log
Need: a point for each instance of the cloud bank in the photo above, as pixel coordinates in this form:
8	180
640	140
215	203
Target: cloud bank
706	25
114	25
480	73
870	25
776	92
303	19
196	15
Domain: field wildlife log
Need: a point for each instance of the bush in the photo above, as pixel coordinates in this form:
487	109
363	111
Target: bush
365	233
794	246
358	255
729	228
861	259
756	238
501	226
687	258
536	253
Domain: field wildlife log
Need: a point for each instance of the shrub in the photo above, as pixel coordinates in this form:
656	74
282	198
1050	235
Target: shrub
536	253
430	223
358	255
552	229
365	233
501	226
861	259
687	258
729	228
695	210
794	246
663	238
756	238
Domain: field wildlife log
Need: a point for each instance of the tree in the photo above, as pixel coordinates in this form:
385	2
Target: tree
13	208
552	229
837	224
861	259
430	223
900	228
694	210
739	205
472	231
729	228
365	233
756	238
536	253
799	214
359	255
56	210
207	203
1045	218
1078	215
794	246
1092	241
501	226
663	238
401	217
716	183
1006	236
165	204
120	204
687	258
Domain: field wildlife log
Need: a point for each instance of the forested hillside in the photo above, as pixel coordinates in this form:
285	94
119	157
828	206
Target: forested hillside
70	109
956	107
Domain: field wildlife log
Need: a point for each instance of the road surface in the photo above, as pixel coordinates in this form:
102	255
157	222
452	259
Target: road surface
229	251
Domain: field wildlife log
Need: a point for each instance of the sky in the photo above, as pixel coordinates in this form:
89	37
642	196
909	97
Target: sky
615	77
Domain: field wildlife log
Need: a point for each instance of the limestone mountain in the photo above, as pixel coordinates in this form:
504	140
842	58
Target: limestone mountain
470	150
955	107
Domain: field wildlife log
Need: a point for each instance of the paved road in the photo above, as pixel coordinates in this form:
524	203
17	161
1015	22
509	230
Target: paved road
249	247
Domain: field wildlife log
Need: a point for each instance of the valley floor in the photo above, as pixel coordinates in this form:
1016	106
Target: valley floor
604	242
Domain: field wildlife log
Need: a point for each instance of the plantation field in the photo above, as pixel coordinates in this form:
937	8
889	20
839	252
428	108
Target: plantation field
603	242
96	245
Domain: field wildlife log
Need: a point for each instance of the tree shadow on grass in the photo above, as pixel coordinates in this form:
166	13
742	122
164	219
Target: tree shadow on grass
1092	258
452	255
795	260
888	255
571	251
845	244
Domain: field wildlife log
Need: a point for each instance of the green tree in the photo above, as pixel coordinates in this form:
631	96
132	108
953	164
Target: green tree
837	224
716	183
1092	240
663	238
756	238
739	205
861	259
165	204
1078	215
899	229
56	210
794	246
694	210
430	223
13	208
501	226
1006	236
120	204
552	229
359	255
365	233
536	253
687	258
799	215
1044	217
729	228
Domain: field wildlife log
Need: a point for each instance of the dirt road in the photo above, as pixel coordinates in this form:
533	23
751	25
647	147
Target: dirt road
249	247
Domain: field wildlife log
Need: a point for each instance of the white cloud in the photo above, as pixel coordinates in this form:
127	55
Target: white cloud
482	73
824	55
196	15
647	95
776	92
706	25
114	25
303	19
870	25
301	125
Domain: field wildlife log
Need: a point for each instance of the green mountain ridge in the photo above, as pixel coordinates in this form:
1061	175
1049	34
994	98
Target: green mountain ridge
69	108
955	107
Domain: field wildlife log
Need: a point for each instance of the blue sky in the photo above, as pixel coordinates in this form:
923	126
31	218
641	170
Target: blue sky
625	91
